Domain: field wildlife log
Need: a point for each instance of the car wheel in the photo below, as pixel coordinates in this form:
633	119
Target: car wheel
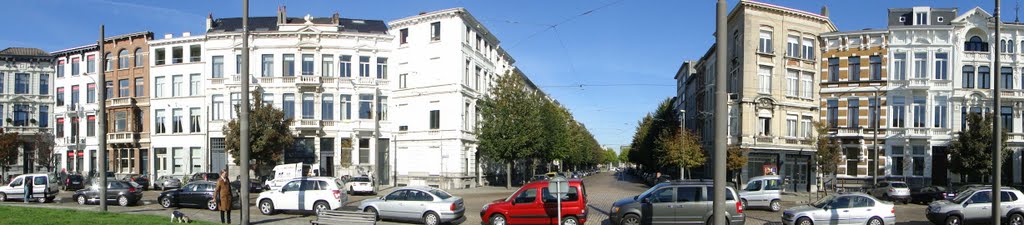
875	221
1016	219
267	207
953	220
122	201
165	202
3	197
804	221
211	205
431	219
320	207
775	205
498	219
570	221
81	199
631	219
371	209
744	203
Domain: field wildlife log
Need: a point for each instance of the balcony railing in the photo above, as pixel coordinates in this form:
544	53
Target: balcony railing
328	123
764	139
122	137
307	124
308	81
919	82
848	131
121	102
24	129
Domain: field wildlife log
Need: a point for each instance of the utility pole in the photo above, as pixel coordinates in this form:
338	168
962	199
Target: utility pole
243	117
375	114
878	119
101	116
721	114
997	131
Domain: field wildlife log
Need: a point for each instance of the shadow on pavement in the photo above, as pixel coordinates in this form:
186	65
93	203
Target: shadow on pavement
276	219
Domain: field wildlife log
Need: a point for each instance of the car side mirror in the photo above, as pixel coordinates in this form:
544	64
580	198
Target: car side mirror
968	202
645	200
827	207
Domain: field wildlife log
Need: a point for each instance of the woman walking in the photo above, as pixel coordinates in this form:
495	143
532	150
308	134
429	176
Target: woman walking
223	196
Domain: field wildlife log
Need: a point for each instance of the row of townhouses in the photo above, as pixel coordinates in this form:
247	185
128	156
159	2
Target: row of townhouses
904	91
396	101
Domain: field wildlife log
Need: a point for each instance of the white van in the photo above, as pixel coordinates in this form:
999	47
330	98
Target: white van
41	183
763	191
286	172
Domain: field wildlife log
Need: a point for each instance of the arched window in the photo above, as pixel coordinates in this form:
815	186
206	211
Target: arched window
975	44
123	59
1009	46
110	62
138	57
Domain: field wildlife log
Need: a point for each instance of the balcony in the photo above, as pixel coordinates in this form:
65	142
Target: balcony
123	138
848	131
24	129
918	83
764	139
307	81
918	132
304	124
121	102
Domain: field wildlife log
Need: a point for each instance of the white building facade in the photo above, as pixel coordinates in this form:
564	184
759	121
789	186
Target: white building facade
26	98
75	86
178	109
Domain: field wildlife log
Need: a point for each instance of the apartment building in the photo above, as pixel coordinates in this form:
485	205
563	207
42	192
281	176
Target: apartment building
75	137
179	75
26	75
127	73
852	89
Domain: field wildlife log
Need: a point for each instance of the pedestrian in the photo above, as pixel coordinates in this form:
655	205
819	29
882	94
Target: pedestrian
223	196
28	189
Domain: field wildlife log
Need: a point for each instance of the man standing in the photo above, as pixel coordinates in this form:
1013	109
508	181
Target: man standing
223	196
28	189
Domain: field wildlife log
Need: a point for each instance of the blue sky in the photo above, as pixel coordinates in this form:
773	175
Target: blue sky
630	49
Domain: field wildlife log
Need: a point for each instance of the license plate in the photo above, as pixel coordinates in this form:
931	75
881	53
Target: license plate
75	182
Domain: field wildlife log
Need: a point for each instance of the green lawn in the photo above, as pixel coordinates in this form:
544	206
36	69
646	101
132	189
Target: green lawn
37	216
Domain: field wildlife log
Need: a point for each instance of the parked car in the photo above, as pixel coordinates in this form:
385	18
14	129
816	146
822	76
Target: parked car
925	195
254	186
896	191
950	196
856	208
139	179
198	194
972	207
211	177
167	182
361	184
685	202
427	205
122	192
303	193
42	185
532	204
763	191
74	182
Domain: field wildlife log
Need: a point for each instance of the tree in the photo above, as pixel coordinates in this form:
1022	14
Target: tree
269	135
509	128
681	149
737	159
8	151
44	150
610	157
646	144
557	141
623	155
828	154
971	152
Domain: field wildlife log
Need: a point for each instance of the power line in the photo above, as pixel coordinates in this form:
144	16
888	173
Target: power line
563	22
604	85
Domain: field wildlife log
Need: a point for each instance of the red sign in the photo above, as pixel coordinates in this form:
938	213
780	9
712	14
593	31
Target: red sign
70	153
81	153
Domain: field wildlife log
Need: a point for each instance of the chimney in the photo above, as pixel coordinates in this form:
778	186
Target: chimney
824	11
209	22
168	36
282	13
186	34
335	18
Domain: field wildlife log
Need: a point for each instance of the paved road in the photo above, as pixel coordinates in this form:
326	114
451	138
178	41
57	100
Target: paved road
602	190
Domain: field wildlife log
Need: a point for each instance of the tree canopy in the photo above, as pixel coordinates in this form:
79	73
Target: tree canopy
269	134
971	152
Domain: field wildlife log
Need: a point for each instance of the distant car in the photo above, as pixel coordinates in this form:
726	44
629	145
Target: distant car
143	181
254	186
122	192
431	206
950	196
763	191
167	182
198	194
925	195
212	177
896	191
676	202
304	193
361	184
972	207
842	209
74	182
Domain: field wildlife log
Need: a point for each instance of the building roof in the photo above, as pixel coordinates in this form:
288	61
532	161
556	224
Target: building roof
19	51
269	23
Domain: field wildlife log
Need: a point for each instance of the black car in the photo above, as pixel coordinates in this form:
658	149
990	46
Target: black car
254	186
212	177
73	182
138	179
196	194
925	195
124	193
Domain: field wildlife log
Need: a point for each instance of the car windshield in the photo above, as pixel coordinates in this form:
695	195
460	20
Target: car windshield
822	202
648	191
898	185
440	194
361	179
212	176
753	186
962	196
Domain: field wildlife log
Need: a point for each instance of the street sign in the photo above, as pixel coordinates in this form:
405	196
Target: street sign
558	186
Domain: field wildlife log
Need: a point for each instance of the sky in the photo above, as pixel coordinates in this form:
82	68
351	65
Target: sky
609	62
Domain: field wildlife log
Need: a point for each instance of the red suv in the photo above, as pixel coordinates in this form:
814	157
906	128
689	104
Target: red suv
533	204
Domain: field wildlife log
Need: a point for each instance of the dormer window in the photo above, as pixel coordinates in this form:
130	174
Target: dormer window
921	18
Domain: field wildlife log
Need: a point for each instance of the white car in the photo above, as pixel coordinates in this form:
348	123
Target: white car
359	185
304	194
42	185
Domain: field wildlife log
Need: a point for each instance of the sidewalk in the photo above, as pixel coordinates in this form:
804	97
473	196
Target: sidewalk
800	198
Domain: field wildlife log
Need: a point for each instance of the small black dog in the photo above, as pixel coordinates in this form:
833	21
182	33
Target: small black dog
178	217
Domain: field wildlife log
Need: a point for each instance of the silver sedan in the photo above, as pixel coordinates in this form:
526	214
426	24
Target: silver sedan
428	205
842	209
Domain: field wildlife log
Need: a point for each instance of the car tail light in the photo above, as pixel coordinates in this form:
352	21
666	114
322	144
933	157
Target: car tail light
337	194
131	189
452	207
892	190
739	207
893	210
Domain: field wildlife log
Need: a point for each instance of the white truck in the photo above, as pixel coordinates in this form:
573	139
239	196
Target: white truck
285	172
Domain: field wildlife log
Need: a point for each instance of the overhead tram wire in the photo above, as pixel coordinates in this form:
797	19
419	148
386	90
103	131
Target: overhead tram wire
604	85
563	22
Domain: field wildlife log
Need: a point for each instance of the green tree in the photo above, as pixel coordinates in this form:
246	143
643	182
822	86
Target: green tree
269	135
509	128
610	157
8	151
737	159
681	149
828	154
623	155
646	144
971	151
556	142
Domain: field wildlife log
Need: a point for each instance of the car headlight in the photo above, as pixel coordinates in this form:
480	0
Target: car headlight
615	209
485	207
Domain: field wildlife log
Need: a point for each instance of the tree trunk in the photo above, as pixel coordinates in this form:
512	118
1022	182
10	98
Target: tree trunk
508	175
